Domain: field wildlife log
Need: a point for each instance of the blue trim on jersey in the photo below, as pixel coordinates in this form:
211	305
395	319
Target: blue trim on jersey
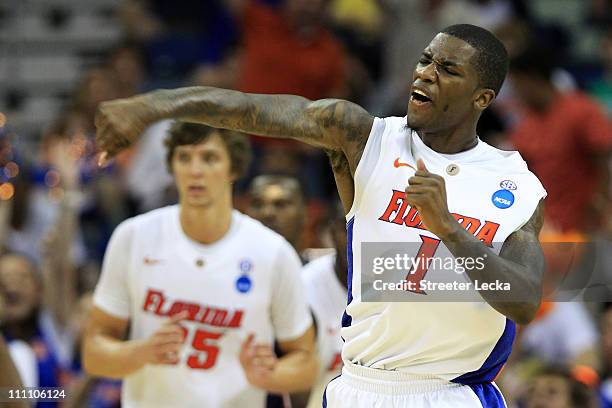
346	319
496	360
489	395
325	391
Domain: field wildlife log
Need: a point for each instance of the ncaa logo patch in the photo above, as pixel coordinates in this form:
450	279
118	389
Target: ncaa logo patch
503	199
508	185
243	284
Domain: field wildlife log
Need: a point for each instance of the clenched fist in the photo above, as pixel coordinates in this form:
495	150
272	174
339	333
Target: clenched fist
163	346
427	193
258	361
120	122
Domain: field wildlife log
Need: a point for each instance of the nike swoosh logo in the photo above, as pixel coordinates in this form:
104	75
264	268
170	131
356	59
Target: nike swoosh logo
149	261
398	164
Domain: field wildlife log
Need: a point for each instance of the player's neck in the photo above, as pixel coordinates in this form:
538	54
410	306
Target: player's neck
450	141
206	225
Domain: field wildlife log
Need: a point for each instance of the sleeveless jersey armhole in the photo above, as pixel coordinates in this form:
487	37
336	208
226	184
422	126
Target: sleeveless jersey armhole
368	163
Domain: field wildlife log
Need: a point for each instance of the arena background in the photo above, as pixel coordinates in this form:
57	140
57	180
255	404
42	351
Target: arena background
60	58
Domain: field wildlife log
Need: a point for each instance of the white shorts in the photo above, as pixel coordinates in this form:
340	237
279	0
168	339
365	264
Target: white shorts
363	387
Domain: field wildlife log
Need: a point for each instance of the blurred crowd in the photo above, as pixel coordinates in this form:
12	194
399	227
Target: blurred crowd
58	209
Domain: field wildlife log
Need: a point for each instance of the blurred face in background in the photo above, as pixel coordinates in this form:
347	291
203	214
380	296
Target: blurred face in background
21	291
279	205
126	63
99	85
549	391
202	172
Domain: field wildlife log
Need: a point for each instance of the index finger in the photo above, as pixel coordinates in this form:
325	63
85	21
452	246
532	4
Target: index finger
175	318
421	165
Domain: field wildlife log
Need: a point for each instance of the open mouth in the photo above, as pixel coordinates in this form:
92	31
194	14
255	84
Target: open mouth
419	97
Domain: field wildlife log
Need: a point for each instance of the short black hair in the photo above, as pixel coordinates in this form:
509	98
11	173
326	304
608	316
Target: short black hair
491	58
282	180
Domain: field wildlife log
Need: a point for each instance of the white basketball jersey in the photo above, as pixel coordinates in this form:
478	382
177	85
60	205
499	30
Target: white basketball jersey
492	194
249	281
327	299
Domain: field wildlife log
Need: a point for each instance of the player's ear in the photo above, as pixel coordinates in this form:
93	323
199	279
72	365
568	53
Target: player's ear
483	98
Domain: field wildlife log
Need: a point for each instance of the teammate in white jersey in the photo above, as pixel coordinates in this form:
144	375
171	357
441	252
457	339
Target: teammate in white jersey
325	284
425	179
204	289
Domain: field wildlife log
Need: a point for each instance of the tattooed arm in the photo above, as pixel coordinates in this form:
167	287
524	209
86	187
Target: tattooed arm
332	124
520	263
343	178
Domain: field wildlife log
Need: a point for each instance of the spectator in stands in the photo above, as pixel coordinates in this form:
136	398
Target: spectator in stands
127	66
32	316
557	387
179	36
561	333
287	49
99	84
566	139
9	377
601	87
49	192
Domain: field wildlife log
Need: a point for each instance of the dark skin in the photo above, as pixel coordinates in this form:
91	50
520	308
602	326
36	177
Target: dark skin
447	125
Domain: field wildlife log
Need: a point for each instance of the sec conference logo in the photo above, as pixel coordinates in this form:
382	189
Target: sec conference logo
508	185
503	199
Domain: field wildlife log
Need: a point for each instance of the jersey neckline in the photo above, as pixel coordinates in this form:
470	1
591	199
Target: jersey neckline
198	247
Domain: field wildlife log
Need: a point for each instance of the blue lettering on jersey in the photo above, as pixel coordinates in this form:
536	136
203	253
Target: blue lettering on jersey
503	199
243	284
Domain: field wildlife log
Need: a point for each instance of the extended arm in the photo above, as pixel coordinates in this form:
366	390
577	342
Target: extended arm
329	123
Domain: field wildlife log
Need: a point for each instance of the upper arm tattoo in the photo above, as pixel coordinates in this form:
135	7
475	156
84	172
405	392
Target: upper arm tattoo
333	124
523	246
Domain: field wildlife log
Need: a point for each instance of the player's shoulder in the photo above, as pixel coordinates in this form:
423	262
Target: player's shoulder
257	233
507	164
317	269
148	222
395	123
154	217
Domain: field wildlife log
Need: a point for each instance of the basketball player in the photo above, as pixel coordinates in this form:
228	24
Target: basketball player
425	179
278	202
325	284
205	290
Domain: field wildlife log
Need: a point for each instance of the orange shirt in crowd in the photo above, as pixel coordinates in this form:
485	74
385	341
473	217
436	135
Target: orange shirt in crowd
559	145
277	60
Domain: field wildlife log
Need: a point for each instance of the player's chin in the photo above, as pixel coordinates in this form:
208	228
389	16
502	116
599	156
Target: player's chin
416	121
200	202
